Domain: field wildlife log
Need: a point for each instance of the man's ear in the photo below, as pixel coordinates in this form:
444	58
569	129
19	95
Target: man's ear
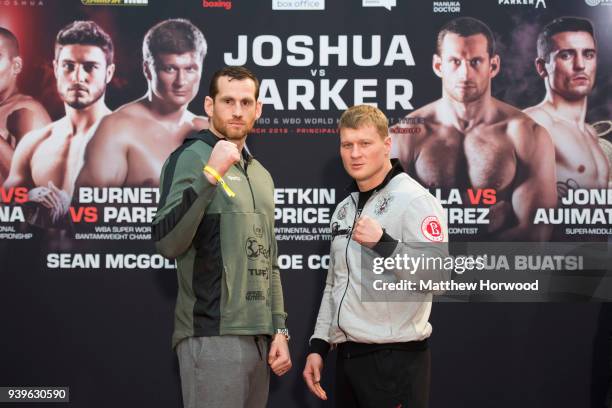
388	143
258	110
495	65
436	64
540	66
209	106
17	65
110	71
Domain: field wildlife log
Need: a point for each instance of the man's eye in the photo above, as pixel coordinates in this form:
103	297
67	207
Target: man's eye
89	67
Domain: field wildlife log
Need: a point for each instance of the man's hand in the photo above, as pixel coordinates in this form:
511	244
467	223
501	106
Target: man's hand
51	197
223	156
367	231
312	375
279	358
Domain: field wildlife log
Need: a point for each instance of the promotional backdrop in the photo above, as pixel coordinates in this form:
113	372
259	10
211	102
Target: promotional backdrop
85	301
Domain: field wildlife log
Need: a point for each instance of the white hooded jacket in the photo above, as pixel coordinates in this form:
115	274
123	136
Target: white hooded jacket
408	213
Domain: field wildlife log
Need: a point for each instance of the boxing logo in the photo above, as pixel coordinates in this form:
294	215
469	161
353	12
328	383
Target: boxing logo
432	229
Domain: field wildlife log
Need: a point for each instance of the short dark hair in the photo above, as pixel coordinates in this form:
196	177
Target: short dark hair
85	33
173	36
465	27
11	41
238	73
561	25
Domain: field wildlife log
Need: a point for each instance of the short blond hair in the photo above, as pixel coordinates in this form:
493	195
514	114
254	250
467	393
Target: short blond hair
363	115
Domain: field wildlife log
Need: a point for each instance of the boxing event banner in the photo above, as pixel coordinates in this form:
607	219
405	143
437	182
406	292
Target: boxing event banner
528	161
511	132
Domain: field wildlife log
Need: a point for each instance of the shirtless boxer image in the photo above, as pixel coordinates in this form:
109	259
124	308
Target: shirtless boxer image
139	136
19	113
48	160
469	140
567	62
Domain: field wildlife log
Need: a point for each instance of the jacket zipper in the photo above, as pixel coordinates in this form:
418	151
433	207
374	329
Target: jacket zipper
249	183
348	270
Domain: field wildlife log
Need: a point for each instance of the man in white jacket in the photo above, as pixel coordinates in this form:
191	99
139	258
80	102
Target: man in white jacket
383	358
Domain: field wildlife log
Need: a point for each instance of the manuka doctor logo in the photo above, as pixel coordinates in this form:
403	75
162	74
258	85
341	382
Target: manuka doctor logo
446	7
536	3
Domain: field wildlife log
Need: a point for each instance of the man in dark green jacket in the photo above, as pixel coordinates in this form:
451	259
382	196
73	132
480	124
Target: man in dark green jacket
216	218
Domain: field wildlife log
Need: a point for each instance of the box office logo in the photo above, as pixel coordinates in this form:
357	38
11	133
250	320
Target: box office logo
115	2
298	4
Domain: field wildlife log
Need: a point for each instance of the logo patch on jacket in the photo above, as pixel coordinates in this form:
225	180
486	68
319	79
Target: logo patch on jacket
258	231
382	205
432	229
255	295
342	211
336	231
254	249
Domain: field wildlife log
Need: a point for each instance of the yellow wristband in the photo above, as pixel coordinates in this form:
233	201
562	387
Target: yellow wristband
220	180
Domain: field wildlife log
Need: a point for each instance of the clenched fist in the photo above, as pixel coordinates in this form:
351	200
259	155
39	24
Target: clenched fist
367	231
223	156
279	358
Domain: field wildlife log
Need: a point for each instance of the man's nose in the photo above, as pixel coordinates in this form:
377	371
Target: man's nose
79	73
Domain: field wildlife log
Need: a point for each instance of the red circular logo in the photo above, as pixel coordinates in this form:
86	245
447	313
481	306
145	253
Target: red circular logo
432	229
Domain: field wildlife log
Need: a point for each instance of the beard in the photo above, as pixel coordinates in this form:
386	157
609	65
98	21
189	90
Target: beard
82	102
231	133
